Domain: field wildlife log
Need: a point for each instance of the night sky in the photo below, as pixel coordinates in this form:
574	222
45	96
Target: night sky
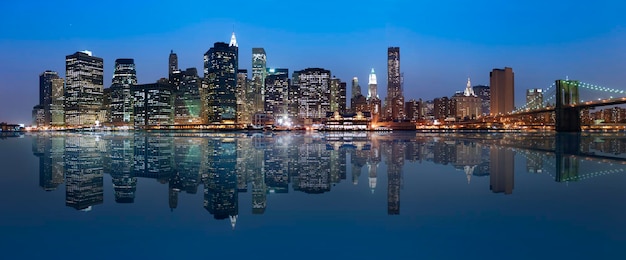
441	42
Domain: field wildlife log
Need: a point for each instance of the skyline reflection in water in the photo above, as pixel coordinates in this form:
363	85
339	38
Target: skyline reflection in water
477	181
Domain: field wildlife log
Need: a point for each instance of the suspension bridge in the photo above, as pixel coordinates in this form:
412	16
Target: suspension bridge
564	99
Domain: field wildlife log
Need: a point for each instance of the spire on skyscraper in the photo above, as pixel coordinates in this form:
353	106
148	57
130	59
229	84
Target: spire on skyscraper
469	91
372	77
233	41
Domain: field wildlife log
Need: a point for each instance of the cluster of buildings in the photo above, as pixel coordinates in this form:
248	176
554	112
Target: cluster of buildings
226	96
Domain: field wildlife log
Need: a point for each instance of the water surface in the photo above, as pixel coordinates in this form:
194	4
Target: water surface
313	195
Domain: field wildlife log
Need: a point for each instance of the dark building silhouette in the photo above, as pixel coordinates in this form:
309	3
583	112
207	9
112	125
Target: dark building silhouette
45	95
502	87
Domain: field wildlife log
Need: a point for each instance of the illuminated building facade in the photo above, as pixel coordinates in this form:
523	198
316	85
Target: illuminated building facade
337	95
57	113
153	104
188	103
534	98
259	72
121	98
314	93
45	95
84	88
220	76
276	94
394	104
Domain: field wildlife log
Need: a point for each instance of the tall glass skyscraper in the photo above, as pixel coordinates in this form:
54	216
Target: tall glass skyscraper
276	94
221	66
84	88
121	104
45	94
259	72
314	87
188	101
395	98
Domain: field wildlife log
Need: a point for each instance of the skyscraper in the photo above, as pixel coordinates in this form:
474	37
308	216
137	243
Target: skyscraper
173	64
356	88
84	88
244	108
56	108
220	74
314	89
121	106
188	102
395	98
484	93
337	95
45	93
502	90
534	98
372	86
276	91
153	104
372	97
259	72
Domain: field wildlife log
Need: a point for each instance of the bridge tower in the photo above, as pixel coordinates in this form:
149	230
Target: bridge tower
567	115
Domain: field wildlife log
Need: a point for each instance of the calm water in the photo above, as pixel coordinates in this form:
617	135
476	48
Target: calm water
313	196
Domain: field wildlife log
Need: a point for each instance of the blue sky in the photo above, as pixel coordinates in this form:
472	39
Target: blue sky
441	42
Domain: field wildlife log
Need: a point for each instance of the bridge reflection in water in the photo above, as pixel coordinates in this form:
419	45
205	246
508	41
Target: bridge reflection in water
230	164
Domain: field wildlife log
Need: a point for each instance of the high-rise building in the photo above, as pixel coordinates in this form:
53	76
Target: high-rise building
84	88
534	98
276	94
45	94
372	86
356	88
57	114
502	87
467	105
484	94
374	103
394	104
337	96
314	91
259	72
153	104
220	76
412	109
172	64
121	101
442	108
188	103
244	106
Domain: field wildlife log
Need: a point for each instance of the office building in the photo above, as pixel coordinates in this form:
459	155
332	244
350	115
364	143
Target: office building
153	104
84	88
502	87
314	93
121	98
337	96
220	76
45	95
188	103
484	94
394	104
259	72
57	113
276	94
534	98
467	105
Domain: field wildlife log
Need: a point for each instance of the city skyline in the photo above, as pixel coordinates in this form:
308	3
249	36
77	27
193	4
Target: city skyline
436	60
